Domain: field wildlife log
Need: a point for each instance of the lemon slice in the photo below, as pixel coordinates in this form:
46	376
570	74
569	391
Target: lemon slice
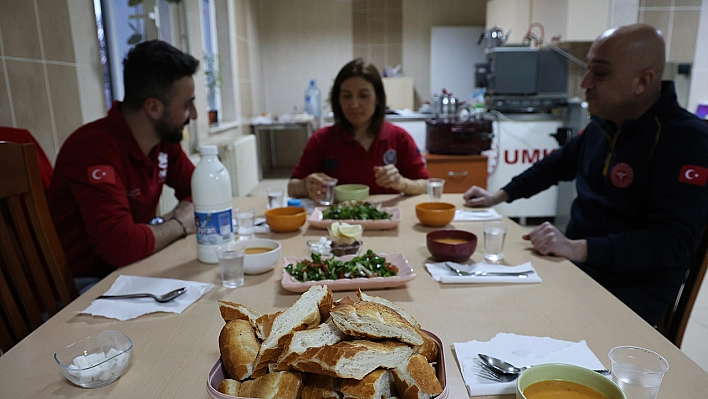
350	230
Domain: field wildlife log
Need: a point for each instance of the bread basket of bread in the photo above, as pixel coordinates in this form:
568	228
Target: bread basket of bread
355	348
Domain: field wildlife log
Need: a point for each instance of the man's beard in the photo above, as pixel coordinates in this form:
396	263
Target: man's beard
169	133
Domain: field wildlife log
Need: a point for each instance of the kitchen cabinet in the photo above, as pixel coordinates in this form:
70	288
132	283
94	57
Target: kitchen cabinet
459	171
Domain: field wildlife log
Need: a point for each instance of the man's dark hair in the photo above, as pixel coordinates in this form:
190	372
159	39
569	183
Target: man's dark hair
366	70
150	70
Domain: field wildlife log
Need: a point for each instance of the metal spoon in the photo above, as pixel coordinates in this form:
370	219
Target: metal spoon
501	367
478	273
159	298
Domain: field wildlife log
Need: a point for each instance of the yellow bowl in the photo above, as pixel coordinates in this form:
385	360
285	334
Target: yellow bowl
570	373
435	214
285	220
351	192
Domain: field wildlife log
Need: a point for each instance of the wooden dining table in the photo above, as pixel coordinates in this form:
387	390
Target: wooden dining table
173	353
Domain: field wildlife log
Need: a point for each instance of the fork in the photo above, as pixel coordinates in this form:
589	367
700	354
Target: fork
478	273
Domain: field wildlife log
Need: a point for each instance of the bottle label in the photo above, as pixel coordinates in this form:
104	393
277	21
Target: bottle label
214	228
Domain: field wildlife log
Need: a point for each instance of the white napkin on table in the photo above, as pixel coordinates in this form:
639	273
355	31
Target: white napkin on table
441	273
520	351
471	215
126	309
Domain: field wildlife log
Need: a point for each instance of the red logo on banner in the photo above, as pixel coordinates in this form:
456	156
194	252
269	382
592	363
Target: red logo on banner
98	174
693	174
622	175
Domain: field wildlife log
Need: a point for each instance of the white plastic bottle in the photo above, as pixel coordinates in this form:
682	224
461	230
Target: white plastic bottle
211	195
313	100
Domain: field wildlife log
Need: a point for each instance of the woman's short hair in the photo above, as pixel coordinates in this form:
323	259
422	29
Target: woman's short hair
366	70
150	70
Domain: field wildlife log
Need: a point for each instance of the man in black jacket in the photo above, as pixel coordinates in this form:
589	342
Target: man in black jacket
641	170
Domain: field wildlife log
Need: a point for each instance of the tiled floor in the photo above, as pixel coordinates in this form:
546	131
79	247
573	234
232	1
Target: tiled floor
695	341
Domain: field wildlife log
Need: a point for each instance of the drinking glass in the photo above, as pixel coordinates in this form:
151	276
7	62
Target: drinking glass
435	188
275	198
327	198
638	371
245	219
231	264
494	235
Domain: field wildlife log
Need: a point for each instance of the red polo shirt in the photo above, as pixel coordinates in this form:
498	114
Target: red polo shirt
331	150
105	190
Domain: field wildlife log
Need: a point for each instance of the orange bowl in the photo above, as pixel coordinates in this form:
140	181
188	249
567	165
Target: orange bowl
285	220
435	214
451	245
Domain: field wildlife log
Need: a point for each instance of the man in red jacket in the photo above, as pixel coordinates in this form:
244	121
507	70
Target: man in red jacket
109	173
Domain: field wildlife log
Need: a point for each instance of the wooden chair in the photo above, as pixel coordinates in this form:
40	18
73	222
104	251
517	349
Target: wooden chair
35	281
674	324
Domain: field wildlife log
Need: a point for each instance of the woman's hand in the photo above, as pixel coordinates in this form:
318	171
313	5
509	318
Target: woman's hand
315	185
388	177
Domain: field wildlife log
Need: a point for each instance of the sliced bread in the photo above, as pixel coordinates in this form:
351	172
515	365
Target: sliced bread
324	334
416	379
383	301
264	324
239	347
374	320
429	348
229	387
352	359
376	385
280	385
317	386
304	314
235	311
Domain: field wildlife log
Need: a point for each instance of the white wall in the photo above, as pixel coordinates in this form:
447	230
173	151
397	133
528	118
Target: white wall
298	41
699	74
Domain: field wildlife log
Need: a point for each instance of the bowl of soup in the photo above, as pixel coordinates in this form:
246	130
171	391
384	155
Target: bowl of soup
555	380
435	214
451	245
261	255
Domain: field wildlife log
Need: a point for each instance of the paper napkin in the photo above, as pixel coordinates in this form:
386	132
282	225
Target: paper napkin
126	309
441	273
520	351
471	215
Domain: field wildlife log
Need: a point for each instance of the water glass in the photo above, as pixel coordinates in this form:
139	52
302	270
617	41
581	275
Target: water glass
275	198
637	371
231	264
494	235
245	220
327	198
435	188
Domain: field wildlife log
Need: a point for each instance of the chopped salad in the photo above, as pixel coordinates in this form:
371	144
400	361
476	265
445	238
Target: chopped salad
367	265
355	210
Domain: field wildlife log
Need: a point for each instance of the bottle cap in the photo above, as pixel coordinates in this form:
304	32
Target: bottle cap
208	150
294	202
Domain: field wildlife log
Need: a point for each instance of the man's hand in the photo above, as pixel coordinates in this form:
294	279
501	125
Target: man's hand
478	197
548	240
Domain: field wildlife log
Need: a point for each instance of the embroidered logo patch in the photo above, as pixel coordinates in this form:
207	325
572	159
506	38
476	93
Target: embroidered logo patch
622	175
162	164
98	174
390	157
693	174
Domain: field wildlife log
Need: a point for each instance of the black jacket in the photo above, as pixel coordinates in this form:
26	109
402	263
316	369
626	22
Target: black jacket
642	200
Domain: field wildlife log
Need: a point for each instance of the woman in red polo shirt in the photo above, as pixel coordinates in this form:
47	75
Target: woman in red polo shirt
361	147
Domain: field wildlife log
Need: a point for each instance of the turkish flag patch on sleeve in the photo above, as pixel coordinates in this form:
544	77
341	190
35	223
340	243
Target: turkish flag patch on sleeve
98	174
693	174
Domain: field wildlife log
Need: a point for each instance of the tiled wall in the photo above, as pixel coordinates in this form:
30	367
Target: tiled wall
377	31
678	20
40	65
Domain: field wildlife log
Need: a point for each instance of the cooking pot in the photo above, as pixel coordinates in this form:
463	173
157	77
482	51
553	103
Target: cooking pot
458	137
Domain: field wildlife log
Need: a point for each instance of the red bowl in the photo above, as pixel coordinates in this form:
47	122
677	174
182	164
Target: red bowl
449	251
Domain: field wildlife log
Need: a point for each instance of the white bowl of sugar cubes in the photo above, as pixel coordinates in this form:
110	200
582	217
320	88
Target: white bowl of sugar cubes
97	360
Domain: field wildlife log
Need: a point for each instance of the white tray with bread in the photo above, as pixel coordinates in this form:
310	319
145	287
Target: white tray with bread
405	274
362	348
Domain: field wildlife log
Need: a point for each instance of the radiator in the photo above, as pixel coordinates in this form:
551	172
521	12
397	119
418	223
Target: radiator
241	160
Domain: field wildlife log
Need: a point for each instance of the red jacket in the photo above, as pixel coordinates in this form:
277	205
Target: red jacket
105	191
